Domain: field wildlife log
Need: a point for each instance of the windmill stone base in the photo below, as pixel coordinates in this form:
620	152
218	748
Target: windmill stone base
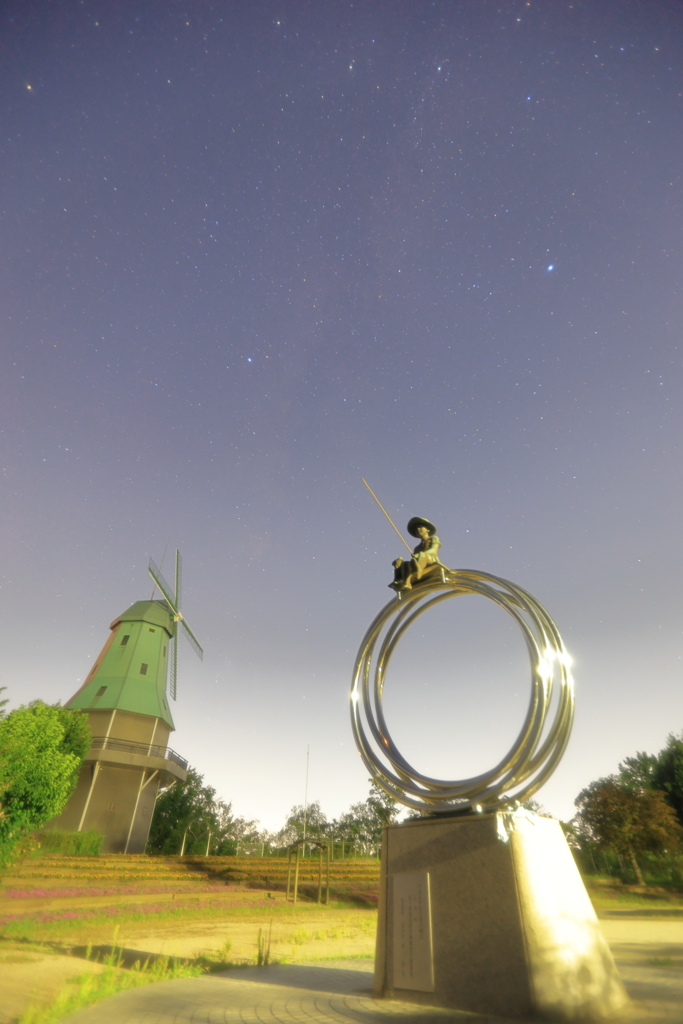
488	914
120	780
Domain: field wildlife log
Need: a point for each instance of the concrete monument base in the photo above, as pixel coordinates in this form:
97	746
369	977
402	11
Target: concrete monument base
489	914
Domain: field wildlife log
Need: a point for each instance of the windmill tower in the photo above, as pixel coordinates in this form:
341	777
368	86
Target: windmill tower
125	699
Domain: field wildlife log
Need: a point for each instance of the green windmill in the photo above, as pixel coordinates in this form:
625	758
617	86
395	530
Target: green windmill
124	697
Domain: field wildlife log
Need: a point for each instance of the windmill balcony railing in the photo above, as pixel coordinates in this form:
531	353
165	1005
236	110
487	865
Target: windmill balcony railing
133	747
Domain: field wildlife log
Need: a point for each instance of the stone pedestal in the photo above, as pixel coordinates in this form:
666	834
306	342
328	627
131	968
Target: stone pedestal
489	914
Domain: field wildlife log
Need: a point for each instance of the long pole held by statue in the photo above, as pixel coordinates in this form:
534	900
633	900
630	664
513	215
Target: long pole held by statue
386	514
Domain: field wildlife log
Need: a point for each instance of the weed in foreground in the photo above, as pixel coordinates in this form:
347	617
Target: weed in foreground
299	937
263	947
86	989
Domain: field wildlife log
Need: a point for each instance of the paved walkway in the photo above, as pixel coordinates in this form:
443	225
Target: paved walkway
340	993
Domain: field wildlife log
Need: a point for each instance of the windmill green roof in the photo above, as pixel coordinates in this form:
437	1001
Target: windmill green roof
131	671
147	611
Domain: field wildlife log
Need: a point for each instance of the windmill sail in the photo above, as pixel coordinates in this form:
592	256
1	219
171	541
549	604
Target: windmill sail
163	586
178	579
172	596
174	663
194	642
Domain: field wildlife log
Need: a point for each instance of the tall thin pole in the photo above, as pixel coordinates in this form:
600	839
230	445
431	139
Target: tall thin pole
296	873
386	514
308	754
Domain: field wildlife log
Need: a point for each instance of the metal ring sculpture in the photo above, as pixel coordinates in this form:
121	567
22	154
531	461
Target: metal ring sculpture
537	750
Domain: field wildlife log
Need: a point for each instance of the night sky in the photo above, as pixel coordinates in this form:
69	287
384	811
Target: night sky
255	250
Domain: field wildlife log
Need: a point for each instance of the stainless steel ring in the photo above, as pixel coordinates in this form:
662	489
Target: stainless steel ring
541	742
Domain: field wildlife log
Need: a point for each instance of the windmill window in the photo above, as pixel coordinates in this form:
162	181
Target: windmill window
125	639
143	669
100	691
152	630
164	652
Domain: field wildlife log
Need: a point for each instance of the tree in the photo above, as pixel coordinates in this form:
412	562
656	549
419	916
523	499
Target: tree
638	772
667	774
626	820
316	825
363	822
42	748
234	834
193	801
535	807
662	771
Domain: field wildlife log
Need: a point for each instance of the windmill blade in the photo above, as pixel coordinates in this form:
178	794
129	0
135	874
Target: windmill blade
163	586
174	663
193	640
172	598
178	577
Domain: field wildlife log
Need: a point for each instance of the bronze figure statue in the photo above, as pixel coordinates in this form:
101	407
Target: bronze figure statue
425	559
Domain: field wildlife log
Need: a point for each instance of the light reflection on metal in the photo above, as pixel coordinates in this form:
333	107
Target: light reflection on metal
542	740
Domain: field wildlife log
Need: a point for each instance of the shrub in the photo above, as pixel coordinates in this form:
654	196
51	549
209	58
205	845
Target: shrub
76	844
41	751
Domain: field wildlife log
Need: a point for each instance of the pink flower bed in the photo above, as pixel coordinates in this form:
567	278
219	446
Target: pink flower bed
365	897
116	890
47	916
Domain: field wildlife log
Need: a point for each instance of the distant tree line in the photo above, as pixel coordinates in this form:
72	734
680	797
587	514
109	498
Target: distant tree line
191	809
359	828
636	811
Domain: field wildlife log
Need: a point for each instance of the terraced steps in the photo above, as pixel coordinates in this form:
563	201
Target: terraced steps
356	880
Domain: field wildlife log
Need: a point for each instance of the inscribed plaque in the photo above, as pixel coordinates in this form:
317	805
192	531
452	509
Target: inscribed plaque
413	958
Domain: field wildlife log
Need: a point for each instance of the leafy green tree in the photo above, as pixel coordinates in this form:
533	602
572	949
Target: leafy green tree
235	834
363	822
667	774
662	771
192	801
626	820
313	822
638	772
42	748
535	807
361	825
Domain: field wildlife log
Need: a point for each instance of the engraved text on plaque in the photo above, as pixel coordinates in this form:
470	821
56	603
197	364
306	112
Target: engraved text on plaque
413	959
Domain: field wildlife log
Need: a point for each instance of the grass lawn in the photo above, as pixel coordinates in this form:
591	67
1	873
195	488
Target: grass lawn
607	895
74	929
61	917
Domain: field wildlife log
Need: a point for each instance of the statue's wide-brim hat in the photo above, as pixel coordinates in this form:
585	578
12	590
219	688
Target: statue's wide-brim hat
416	522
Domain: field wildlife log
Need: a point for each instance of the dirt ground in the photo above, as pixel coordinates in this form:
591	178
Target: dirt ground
29	975
646	939
34	978
642	940
317	934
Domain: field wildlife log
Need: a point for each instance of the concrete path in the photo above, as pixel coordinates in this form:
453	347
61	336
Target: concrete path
648	951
